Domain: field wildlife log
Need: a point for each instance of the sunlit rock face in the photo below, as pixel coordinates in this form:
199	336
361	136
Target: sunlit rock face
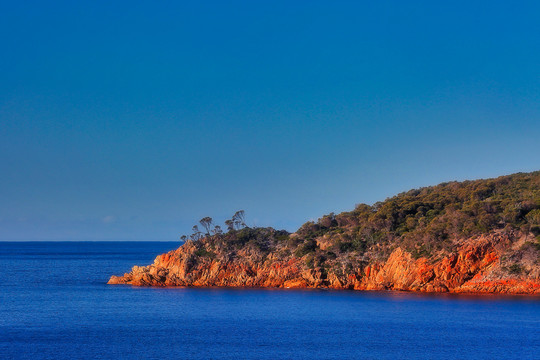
480	236
474	267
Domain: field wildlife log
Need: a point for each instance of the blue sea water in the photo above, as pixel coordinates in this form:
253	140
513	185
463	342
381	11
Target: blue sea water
55	304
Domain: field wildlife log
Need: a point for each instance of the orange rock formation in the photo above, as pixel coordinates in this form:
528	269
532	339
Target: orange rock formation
473	268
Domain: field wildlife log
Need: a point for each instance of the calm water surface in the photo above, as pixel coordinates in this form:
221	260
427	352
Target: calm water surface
54	304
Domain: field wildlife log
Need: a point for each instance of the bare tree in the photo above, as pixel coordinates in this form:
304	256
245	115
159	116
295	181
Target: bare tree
217	230
196	233
230	225
239	219
206	223
183	238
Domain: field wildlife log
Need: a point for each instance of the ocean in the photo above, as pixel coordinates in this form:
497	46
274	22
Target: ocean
55	304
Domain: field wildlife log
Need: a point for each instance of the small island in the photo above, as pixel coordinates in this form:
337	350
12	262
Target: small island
480	236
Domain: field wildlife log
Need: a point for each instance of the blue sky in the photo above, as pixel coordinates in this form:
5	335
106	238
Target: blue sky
133	120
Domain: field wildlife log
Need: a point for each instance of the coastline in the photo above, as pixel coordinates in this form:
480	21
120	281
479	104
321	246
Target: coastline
473	269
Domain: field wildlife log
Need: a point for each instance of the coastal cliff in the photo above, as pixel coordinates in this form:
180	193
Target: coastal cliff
470	237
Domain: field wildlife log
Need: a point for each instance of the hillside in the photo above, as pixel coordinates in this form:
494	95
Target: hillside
471	236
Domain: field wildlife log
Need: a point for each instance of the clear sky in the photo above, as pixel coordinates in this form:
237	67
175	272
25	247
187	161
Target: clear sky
132	120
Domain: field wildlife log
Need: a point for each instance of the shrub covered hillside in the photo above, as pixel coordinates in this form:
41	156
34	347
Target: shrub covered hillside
431	221
437	238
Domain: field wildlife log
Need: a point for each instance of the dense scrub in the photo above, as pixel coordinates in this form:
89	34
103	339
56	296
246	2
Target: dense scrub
431	218
427	222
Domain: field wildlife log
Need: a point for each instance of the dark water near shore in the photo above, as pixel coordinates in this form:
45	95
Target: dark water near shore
54	304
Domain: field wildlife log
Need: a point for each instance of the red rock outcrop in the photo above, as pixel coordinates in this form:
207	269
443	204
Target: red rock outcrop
473	268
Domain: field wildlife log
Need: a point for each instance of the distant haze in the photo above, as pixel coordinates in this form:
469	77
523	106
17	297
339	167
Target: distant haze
132	121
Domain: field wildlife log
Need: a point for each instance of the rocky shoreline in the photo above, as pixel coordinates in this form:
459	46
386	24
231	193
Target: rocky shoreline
480	236
474	268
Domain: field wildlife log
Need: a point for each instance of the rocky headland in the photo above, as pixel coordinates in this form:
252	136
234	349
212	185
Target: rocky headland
479	236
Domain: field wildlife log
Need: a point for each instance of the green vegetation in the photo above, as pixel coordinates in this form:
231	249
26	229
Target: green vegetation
429	219
514	269
202	252
427	222
307	247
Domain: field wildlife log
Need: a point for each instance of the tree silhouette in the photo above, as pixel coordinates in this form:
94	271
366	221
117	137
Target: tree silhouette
196	233
230	225
206	223
217	230
239	219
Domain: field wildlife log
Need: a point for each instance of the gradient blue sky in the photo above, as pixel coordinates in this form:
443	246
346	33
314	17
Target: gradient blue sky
132	120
